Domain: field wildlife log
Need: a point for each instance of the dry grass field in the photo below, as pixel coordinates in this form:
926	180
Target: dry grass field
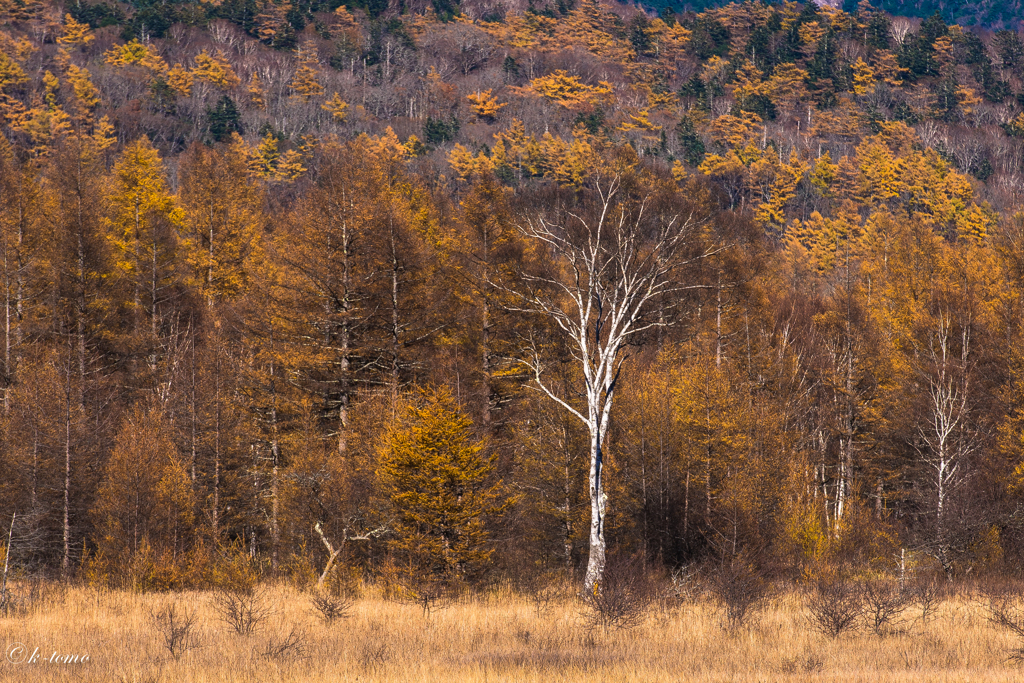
498	637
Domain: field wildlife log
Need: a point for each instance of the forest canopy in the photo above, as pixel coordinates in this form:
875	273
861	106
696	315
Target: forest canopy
306	286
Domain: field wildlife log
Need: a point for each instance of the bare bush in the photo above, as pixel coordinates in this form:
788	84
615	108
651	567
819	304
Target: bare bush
374	655
290	644
331	607
685	584
621	600
12	604
1006	611
884	603
177	629
928	595
836	606
740	591
244	611
545	596
32	595
429	592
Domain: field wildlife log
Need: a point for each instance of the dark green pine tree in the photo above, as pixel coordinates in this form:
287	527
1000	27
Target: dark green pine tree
691	147
223	119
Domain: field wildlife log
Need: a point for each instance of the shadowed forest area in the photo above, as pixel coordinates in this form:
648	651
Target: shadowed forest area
438	296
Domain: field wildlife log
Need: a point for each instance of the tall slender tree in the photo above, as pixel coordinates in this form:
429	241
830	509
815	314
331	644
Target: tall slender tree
611	260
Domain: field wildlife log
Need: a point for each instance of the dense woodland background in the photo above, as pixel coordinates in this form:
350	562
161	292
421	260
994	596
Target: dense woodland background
987	13
258	265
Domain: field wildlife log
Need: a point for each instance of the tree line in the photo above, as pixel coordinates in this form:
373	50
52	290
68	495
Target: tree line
750	294
416	378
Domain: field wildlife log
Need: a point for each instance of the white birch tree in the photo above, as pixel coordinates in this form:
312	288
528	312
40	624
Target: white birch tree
946	429
606	270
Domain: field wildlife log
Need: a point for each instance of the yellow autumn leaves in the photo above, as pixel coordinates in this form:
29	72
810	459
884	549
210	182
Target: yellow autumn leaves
213	69
216	70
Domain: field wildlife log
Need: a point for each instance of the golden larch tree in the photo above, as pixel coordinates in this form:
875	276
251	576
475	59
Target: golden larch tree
306	82
442	488
141	227
221	220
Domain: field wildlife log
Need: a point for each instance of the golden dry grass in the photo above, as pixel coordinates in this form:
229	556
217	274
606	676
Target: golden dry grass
493	638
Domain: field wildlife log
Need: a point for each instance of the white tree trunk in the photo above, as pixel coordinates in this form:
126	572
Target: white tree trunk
596	559
609	271
945	431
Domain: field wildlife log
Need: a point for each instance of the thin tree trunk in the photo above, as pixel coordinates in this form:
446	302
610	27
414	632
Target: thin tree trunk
209	267
34	495
193	410
718	323
215	516
275	452
65	564
394	310
13	318
7	561
7	333
485	336
154	318
81	294
645	505
346	339
567	492
485	344
686	506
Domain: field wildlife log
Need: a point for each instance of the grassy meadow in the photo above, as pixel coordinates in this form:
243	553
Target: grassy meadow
495	637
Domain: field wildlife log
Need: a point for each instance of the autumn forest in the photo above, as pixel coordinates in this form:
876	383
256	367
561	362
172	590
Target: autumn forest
456	293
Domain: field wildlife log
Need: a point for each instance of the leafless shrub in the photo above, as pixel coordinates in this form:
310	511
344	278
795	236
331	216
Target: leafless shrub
808	663
177	629
244	611
685	586
623	596
836	606
331	607
740	591
12	603
928	595
291	644
434	595
1006	611
544	596
884	603
431	591
1007	614
32	595
374	655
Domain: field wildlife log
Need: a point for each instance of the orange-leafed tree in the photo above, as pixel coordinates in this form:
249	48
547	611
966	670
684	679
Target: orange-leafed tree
75	33
21	238
141	228
215	70
485	105
306	82
326	252
442	489
146	497
221	220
